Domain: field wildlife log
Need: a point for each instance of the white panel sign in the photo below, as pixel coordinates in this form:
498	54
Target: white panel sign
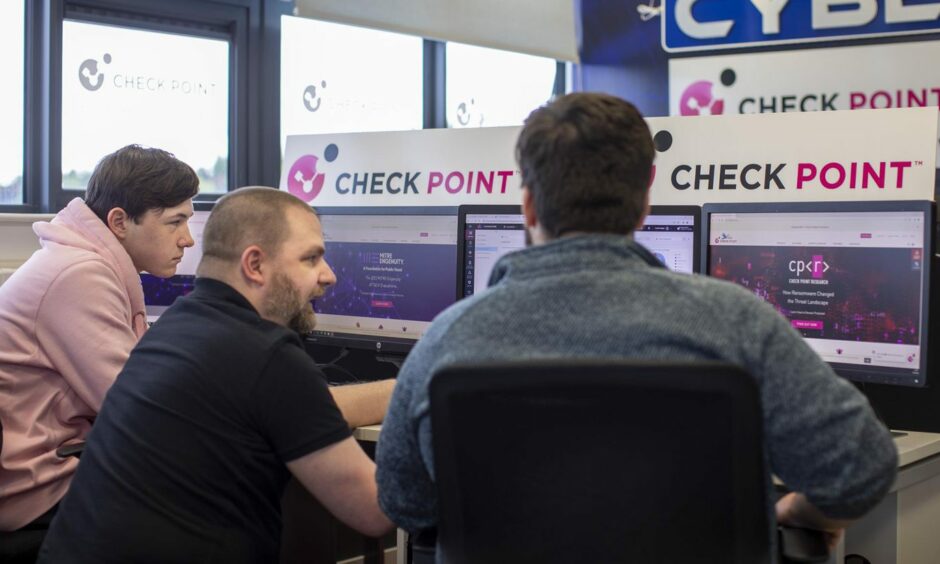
846	78
863	155
432	167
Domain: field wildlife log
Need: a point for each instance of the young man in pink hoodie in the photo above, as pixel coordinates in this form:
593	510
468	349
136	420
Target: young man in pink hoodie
71	314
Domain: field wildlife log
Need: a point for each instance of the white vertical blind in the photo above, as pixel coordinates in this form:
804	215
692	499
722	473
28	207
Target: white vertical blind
537	27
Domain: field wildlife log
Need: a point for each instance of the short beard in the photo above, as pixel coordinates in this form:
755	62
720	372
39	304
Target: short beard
283	304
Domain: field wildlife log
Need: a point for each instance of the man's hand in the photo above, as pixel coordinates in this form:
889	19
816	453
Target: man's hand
363	404
795	510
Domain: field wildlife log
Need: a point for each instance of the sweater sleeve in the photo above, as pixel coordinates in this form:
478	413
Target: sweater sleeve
823	438
404	462
83	326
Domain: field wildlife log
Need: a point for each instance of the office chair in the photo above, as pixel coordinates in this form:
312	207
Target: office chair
599	461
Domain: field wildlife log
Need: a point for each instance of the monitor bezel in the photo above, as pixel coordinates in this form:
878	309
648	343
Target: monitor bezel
462	213
696	213
924	206
377	344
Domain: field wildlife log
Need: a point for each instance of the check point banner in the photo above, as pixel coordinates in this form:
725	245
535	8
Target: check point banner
859	155
431	167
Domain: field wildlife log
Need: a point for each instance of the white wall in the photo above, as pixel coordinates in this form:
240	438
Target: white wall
17	240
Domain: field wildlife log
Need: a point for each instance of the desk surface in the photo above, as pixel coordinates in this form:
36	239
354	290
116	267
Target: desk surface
912	447
915	447
369	433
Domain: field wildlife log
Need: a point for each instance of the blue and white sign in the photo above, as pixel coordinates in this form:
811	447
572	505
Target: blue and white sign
690	25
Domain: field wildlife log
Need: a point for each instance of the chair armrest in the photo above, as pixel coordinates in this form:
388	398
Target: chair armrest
74	449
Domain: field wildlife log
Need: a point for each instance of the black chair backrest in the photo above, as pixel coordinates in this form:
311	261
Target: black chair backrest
599	461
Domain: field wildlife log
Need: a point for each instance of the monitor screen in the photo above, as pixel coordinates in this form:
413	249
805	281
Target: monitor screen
395	270
852	278
671	233
160	293
489	232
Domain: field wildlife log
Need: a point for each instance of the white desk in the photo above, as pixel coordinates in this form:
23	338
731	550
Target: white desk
903	529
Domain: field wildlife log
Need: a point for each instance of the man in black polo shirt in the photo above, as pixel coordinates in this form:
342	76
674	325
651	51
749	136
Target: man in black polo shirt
217	406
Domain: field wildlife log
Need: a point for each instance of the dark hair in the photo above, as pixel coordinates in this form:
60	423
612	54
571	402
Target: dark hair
587	159
137	180
254	215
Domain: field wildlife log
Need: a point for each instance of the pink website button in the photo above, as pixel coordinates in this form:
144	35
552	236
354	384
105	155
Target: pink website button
804	324
382	303
866	235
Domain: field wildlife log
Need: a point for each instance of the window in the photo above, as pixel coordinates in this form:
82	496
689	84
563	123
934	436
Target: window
489	87
12	45
338	78
123	85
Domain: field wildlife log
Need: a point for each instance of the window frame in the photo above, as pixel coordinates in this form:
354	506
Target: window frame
253	30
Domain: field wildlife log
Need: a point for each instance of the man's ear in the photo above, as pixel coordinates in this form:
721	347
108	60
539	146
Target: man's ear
528	208
252	265
118	222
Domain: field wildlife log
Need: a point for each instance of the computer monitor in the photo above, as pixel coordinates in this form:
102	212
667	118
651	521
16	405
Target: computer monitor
852	277
672	233
160	293
395	270
487	233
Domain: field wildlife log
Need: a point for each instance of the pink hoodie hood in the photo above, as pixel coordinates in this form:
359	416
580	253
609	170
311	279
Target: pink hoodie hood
78	227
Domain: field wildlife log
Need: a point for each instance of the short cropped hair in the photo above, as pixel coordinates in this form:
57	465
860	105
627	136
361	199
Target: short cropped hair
254	215
586	158
137	180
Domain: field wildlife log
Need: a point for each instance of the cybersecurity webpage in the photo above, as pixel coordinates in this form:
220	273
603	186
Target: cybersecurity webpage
394	274
487	238
671	239
850	282
160	293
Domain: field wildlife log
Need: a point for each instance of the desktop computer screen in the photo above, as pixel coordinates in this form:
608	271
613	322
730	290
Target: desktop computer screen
671	233
160	293
852	278
488	233
395	271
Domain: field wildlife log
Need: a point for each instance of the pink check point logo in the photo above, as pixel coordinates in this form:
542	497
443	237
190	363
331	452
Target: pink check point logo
697	100
303	180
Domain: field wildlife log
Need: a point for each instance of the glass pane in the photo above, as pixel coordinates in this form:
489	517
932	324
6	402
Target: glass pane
12	44
338	78
489	87
123	85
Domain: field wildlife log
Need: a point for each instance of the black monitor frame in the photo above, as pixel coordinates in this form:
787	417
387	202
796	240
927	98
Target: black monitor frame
462	213
833	207
378	344
697	228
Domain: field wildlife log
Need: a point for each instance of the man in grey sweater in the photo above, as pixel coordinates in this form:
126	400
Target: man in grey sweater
585	289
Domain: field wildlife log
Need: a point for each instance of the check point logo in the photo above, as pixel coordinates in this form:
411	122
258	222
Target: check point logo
699	97
312	99
90	75
303	179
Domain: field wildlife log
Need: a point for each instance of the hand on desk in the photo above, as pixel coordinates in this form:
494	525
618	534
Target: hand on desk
795	510
363	404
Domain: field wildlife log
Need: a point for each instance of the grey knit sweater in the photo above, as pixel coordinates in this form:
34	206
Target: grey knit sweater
598	296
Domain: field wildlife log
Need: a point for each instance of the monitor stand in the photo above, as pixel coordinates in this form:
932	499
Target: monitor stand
391	358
